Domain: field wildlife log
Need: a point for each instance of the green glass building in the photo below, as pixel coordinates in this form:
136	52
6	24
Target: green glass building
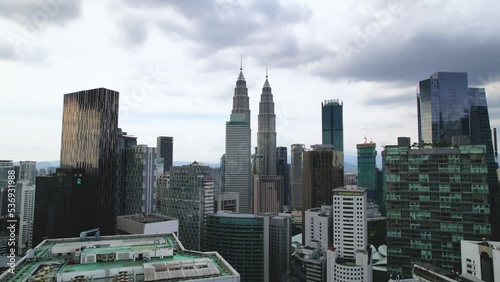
435	198
367	169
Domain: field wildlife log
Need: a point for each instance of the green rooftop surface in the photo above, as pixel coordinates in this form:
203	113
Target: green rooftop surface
27	268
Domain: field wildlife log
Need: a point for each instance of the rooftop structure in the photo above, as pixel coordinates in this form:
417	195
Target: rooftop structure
121	258
147	224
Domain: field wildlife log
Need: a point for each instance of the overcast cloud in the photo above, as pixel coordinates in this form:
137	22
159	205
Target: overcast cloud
369	54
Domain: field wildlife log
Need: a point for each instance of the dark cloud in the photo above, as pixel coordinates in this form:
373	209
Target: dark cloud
262	29
398	100
36	14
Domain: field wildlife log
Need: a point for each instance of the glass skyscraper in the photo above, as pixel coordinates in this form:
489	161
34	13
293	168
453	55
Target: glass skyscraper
367	170
447	109
332	124
89	142
165	150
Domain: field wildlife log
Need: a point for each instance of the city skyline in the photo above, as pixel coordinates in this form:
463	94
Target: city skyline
185	55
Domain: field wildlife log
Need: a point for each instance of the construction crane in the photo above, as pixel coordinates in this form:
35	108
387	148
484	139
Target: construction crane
83	235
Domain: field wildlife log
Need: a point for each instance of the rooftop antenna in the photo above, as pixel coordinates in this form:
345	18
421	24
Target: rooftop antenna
266	70
241	62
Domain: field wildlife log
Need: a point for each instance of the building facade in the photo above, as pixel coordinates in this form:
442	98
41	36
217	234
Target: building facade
435	198
165	151
481	259
238	144
318	227
140	183
296	175
189	197
448	109
283	169
367	169
263	242
26	200
332	124
323	170
349	259
89	127
27	171
227	201
125	142
268	186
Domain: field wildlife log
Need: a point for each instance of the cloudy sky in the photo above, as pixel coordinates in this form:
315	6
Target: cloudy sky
175	64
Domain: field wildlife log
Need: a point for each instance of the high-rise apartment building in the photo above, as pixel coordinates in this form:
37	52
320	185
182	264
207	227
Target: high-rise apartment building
448	109
140	183
296	175
238	142
165	151
189	197
436	197
27	171
349	259
367	169
26	200
332	124
89	142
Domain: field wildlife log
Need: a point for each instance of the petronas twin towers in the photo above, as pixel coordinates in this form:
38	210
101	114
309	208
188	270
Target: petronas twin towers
266	193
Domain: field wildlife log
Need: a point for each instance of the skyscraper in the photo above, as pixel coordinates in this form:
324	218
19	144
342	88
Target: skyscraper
140	184
323	171
283	169
332	124
125	142
165	150
367	169
26	214
238	142
267	185
447	109
189	197
296	175
89	142
27	171
436	197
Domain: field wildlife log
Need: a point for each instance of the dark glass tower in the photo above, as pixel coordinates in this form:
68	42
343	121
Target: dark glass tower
332	124
165	150
447	108
89	142
283	169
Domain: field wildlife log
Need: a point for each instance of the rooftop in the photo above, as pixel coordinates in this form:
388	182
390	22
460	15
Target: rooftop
147	218
135	257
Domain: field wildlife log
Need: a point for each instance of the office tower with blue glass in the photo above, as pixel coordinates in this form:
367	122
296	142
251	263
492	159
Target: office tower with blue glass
165	151
332	124
448	109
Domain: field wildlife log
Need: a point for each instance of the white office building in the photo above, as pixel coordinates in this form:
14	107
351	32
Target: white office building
349	258
26	190
481	259
317	227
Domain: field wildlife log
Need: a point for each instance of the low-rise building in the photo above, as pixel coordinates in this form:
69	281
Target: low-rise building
146	224
159	257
